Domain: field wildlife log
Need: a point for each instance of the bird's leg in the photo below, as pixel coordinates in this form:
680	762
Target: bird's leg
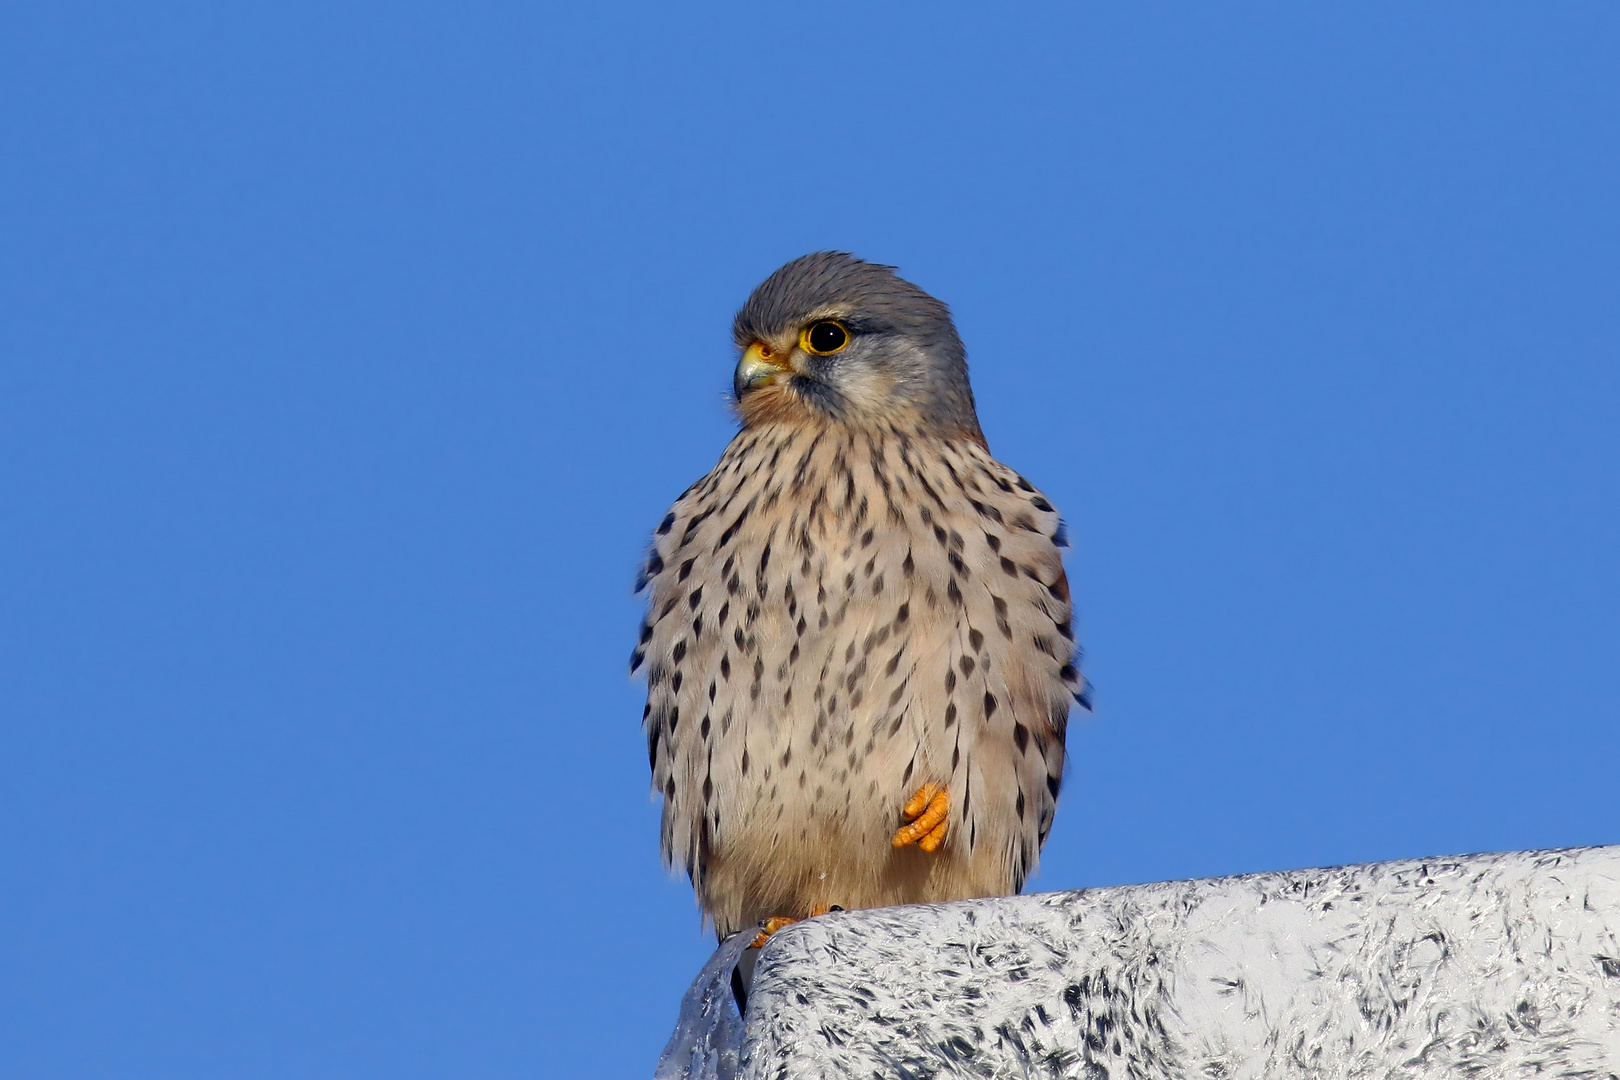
926	811
776	922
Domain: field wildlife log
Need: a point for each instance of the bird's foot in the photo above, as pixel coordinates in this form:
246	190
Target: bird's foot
769	927
926	811
776	922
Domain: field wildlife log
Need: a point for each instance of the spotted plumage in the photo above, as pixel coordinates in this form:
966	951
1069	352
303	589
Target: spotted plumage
856	601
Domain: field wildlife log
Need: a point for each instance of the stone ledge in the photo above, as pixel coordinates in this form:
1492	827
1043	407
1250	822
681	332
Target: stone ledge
1502	965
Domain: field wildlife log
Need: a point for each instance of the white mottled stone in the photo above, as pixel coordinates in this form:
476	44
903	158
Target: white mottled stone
1480	966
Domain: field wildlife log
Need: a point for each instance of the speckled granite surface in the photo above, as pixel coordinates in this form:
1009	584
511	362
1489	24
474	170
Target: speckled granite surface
1478	966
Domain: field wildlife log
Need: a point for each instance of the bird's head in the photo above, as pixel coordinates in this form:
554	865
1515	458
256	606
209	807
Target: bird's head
831	338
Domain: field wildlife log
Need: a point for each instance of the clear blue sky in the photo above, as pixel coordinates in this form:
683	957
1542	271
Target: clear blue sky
349	352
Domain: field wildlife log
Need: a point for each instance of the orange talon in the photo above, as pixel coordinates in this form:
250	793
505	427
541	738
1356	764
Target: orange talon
919	802
776	922
929	824
772	925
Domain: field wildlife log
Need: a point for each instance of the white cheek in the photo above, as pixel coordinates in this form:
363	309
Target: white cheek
866	389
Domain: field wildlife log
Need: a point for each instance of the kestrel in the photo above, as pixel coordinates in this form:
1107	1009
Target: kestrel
858	650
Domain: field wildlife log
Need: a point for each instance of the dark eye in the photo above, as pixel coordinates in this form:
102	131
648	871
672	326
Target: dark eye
824	337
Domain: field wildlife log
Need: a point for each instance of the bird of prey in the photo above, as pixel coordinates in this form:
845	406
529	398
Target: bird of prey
858	648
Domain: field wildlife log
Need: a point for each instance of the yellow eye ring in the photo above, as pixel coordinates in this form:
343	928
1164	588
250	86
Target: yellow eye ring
824	337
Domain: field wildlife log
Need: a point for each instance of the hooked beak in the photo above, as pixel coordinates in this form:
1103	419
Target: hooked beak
760	366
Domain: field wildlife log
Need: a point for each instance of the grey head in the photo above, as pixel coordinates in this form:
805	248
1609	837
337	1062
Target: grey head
830	337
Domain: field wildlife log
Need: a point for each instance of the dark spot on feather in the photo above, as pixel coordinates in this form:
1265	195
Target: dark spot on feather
731	530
